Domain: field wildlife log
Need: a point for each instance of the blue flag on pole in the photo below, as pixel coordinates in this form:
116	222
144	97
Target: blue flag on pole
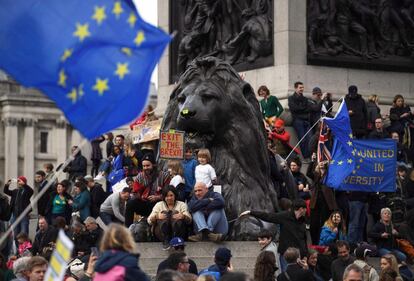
343	150
93	58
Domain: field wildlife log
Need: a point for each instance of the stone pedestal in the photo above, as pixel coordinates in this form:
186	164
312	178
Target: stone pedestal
291	65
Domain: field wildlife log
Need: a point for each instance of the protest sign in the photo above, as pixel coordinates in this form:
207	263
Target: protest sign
60	258
171	144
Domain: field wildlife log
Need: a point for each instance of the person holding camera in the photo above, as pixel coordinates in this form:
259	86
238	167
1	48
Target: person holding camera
20	199
169	217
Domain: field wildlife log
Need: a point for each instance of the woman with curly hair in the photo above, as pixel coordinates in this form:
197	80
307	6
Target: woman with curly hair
265	268
333	230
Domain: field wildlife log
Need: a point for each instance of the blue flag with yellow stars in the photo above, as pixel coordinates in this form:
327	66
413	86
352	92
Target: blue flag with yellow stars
93	58
343	153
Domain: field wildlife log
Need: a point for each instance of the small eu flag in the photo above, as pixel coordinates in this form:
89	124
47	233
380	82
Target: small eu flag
93	58
343	152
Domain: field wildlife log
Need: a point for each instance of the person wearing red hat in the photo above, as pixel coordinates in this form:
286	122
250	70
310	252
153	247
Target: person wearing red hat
280	137
20	199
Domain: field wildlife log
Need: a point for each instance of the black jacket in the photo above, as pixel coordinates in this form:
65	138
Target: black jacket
293	233
68	210
377	230
44	200
298	106
94	237
98	196
20	198
338	267
359	117
43	239
77	167
296	273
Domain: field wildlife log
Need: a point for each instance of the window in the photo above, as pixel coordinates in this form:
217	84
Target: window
43	141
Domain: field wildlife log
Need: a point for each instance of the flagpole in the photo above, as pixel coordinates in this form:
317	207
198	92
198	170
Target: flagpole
40	194
298	143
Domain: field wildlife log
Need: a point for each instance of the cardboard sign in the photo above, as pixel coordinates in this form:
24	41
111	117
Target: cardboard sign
146	132
171	144
60	258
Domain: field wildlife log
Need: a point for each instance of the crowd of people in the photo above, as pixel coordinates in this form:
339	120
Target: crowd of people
323	234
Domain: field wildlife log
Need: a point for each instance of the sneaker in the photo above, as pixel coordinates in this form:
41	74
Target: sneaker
196	238
215	237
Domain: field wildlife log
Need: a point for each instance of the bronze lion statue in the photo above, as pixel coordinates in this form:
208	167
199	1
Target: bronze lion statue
219	111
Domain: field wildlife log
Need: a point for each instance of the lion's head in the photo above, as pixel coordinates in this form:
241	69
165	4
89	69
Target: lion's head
219	111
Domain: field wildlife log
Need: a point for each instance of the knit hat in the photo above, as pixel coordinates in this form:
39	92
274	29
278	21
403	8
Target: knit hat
279	123
223	254
149	157
361	252
177	241
23	179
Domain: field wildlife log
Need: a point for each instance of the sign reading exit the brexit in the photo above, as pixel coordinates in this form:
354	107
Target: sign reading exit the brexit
375	166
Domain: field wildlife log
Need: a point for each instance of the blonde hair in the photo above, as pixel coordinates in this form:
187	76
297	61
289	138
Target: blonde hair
176	167
204	153
373	98
391	259
117	237
342	225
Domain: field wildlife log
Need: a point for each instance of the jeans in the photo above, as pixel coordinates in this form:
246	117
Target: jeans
108	218
400	255
357	221
23	226
215	222
301	128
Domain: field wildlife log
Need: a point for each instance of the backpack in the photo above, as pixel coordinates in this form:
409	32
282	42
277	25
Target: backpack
5	208
367	271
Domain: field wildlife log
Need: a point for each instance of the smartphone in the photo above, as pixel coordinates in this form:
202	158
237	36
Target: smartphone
95	251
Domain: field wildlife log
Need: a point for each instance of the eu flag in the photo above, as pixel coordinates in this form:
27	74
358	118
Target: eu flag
343	151
93	58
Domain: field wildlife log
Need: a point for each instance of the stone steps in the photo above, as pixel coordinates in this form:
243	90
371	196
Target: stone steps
244	255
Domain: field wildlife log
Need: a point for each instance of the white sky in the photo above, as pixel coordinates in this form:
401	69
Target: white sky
148	11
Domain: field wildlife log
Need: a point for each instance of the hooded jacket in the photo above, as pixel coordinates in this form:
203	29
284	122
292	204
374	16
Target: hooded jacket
356	103
119	265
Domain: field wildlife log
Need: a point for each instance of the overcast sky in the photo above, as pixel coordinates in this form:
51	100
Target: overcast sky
148	11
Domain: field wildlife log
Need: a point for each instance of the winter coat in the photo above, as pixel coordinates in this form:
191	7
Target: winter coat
328	236
205	204
293	231
271	107
118	265
189	173
77	167
98	196
359	117
298	106
20	198
373	112
82	203
377	230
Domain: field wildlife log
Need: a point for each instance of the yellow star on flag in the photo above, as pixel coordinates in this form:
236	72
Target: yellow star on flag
360	160
332	161
121	70
354	172
340	163
349	143
101	86
99	14
358	166
349	161
117	10
62	78
351	135
126	51
132	19
139	38
82	31
80	90
66	54
73	95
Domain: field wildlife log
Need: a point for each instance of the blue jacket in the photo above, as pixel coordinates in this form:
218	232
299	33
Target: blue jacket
189	173
81	203
118	265
205	204
328	236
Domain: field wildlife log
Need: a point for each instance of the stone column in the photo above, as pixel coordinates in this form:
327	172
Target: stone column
11	147
61	143
29	155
